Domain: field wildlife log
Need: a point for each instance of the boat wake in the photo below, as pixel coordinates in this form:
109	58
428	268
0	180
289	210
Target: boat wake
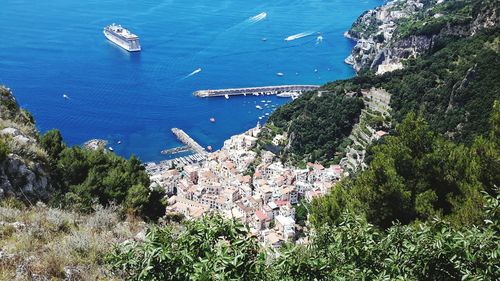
298	36
196	71
258	17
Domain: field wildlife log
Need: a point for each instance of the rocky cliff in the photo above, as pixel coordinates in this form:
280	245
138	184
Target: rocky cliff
403	29
23	162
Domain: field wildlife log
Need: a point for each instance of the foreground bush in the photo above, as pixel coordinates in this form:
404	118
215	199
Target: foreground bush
210	248
215	249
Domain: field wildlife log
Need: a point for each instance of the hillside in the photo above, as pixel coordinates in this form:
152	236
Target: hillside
399	30
23	163
452	80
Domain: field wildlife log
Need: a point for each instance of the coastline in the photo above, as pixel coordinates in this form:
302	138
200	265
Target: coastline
253	185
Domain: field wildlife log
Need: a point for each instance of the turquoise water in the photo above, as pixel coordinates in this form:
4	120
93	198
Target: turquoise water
56	47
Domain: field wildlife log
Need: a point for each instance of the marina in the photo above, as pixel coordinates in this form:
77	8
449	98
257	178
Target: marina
266	90
165	165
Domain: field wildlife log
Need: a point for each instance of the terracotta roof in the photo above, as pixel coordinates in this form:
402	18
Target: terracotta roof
261	215
280	203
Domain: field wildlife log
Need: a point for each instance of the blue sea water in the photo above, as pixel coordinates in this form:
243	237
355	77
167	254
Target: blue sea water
55	47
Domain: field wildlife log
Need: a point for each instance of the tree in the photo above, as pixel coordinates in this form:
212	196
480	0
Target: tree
416	175
146	203
301	212
52	143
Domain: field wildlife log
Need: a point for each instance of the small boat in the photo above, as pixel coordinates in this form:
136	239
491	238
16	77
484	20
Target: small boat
226	96
209	148
315	70
260	117
110	148
264	39
269	101
258	107
263	101
212	120
119	142
66	96
267	114
286	95
280	74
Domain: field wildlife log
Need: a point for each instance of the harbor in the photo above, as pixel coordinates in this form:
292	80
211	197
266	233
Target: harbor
265	90
190	144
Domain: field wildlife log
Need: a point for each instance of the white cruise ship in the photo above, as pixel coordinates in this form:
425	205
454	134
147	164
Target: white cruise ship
122	37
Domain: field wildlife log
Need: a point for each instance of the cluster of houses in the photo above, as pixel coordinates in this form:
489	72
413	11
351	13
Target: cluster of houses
263	197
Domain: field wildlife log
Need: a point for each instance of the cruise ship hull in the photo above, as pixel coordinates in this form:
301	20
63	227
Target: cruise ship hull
125	44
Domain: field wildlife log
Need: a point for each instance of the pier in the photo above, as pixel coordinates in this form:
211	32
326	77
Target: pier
175	150
266	90
188	141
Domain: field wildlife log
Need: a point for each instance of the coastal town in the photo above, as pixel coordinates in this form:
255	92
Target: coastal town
253	185
265	198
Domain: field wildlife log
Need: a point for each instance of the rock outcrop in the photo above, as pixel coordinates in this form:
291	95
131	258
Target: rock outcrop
23	168
403	29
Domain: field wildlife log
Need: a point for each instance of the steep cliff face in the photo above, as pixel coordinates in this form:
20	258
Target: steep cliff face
23	165
403	29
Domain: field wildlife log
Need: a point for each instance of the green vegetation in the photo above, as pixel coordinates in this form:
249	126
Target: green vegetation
426	208
48	243
210	248
453	87
356	250
360	28
4	150
416	175
449	13
301	212
83	177
352	249
332	114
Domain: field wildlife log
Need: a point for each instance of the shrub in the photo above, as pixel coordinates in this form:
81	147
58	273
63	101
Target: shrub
210	248
4	150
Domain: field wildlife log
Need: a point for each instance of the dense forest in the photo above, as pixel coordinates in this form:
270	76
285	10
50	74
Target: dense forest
317	124
417	175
